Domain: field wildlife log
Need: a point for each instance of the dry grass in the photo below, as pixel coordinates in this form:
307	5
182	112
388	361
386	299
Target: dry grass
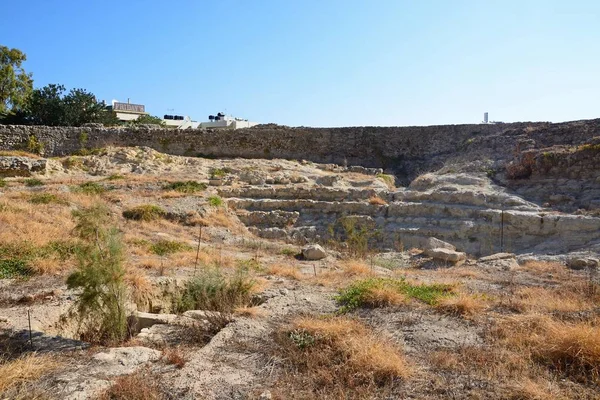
285	271
463	305
570	348
338	358
573	296
544	267
18	153
383	297
174	356
141	288
377	201
25	369
250	312
347	271
138	386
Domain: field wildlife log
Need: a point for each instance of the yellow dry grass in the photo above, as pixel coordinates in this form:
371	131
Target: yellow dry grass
25	369
377	201
285	271
339	354
141	288
18	153
572	296
250	312
463	305
383	297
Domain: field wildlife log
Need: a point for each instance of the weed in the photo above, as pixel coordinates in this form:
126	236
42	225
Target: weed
2	183
285	271
462	305
174	356
357	234
164	247
89	188
146	212
215	201
379	292
137	386
288	251
14	268
115	177
217	173
46	198
212	291
34	145
26	368
377	201
32	182
187	187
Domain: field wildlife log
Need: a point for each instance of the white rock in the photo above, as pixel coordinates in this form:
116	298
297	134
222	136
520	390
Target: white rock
446	255
313	252
433	243
497	256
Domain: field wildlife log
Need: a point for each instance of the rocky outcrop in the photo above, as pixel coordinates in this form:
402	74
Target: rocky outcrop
11	166
313	252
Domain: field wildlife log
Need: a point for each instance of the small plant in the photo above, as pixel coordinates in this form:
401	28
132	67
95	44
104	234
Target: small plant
45	198
166	247
32	182
83	138
186	187
389	180
301	338
218	173
146	213
288	251
377	201
34	145
380	292
137	386
89	188
115	177
14	268
2	183
212	291
215	201
358	235
100	305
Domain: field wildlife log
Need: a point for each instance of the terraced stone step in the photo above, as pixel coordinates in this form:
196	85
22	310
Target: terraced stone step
304	193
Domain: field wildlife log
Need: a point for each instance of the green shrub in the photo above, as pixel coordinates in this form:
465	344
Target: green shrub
215	201
212	291
288	251
2	183
31	182
90	188
146	212
217	173
361	293
45	198
94	151
34	145
186	187
359	236
14	268
100	304
165	247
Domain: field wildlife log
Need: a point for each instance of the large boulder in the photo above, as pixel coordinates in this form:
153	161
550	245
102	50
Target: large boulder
314	252
21	166
582	263
433	243
452	256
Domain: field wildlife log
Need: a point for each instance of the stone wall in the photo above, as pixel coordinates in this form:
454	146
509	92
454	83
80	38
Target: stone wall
406	150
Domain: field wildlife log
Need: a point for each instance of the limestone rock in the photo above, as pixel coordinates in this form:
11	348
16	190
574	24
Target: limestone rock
446	255
433	243
124	360
21	166
582	263
497	256
313	252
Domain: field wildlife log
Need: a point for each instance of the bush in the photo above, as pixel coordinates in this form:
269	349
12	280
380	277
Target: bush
389	180
137	386
91	188
2	183
31	182
45	198
186	187
215	201
115	177
14	268
100	305
146	212
212	291
217	173
165	247
380	292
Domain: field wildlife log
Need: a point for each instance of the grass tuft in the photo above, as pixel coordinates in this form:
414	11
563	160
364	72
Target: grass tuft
32	182
165	247
89	188
188	187
146	213
25	369
46	198
215	201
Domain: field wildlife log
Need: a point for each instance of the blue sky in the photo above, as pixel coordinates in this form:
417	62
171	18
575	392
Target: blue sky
321	62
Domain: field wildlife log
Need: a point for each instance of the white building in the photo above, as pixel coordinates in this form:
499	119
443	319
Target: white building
226	121
127	111
180	122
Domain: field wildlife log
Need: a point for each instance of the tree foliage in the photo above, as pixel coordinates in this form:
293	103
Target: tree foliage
148	119
15	84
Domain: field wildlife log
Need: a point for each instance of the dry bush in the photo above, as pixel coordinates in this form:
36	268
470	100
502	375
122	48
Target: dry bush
174	356
383	297
138	386
250	312
570	348
285	271
560	299
141	289
348	271
18	153
337	358
25	369
544	267
462	305
528	389
377	201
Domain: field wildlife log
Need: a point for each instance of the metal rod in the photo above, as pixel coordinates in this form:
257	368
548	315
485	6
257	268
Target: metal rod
30	335
198	249
502	231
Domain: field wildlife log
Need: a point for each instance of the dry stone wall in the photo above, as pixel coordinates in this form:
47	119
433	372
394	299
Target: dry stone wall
405	150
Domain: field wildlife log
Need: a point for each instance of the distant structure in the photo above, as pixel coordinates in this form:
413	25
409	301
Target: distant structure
127	111
485	117
227	122
180	121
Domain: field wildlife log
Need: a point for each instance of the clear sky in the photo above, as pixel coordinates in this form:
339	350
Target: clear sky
321	62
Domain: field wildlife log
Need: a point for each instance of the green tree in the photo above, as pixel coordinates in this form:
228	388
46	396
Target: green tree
148	119
47	106
82	107
15	84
